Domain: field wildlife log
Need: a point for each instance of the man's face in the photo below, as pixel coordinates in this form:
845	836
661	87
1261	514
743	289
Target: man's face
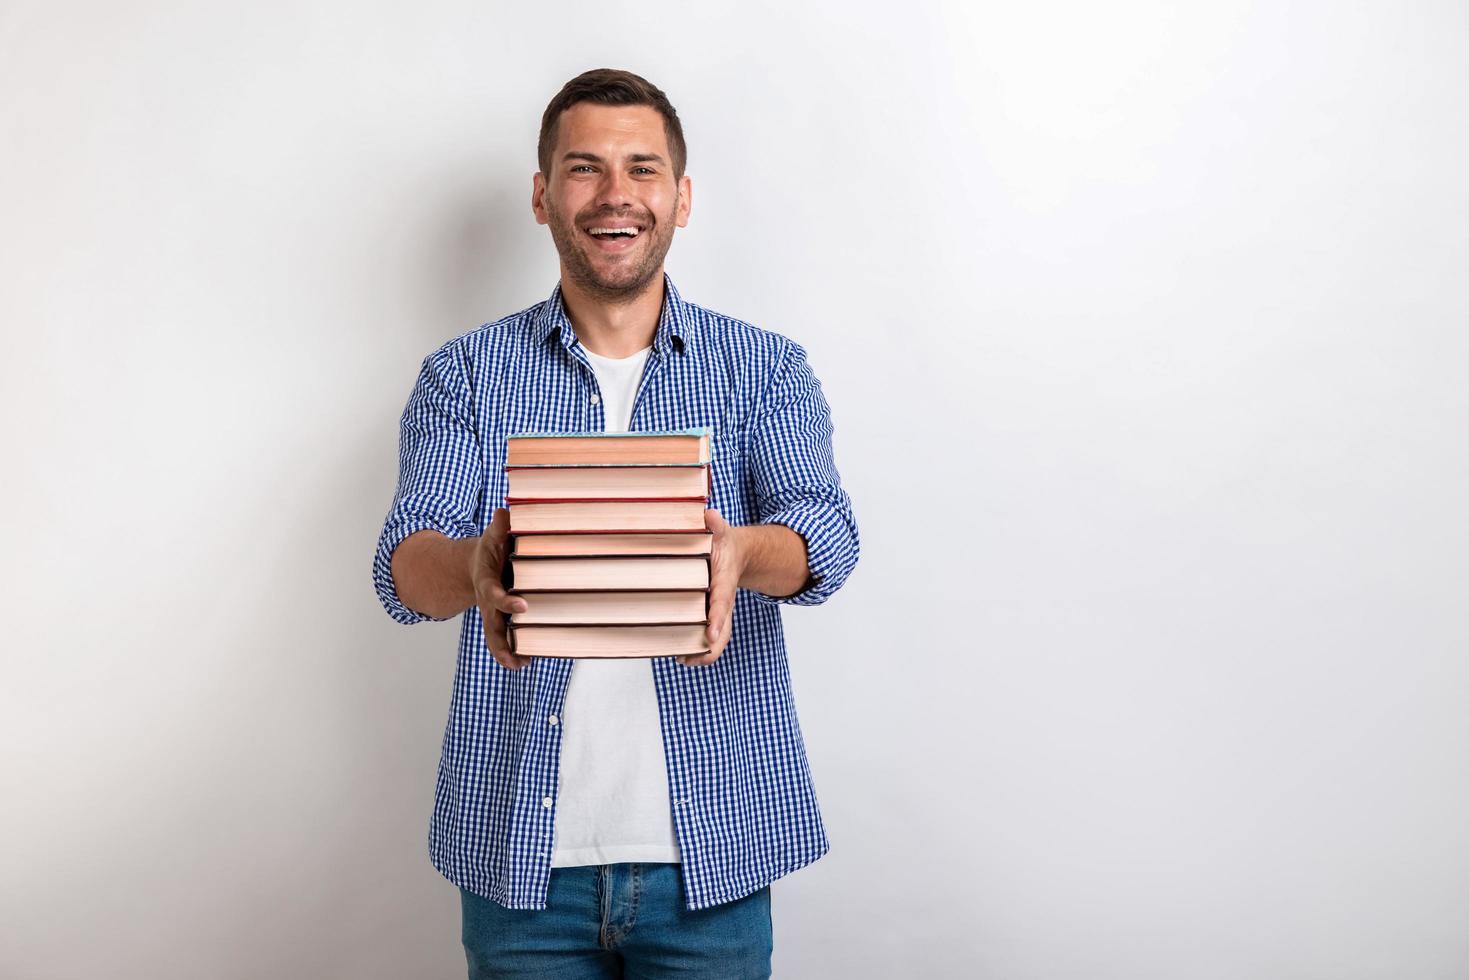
611	169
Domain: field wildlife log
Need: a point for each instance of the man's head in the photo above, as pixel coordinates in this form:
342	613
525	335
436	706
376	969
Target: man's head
612	156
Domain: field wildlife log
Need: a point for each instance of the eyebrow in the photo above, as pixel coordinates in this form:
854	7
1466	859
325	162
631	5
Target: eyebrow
633	158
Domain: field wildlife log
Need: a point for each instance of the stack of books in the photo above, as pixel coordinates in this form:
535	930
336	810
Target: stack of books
609	548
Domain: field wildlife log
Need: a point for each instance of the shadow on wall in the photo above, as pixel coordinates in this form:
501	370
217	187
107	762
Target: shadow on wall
375	891
489	260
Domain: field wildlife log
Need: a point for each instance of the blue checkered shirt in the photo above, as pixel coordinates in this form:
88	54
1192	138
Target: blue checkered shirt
744	809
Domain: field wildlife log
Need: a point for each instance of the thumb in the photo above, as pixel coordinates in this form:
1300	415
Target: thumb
499	521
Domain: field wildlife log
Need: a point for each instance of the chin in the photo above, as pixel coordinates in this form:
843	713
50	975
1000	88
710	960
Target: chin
622	284
617	275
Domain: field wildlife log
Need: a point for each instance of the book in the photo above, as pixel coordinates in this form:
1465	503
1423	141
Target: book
603	448
598	543
539	483
564	516
607	608
609	550
620	573
608	641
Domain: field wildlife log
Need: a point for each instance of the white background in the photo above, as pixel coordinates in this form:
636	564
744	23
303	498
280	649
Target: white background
1144	331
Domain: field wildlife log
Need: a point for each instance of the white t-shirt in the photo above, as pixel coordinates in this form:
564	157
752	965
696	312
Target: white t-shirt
613	803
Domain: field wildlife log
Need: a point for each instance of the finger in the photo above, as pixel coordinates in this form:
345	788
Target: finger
492	595
700	659
719	611
509	602
492	561
721	598
500	522
498	530
497	643
721	639
717	636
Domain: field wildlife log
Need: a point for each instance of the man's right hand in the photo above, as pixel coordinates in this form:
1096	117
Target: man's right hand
495	604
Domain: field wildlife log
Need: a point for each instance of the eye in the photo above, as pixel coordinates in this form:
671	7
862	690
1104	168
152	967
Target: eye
581	166
645	169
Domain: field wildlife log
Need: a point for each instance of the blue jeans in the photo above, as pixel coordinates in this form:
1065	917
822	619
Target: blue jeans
618	920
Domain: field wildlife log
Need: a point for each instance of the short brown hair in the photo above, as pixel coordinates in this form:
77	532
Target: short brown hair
611	86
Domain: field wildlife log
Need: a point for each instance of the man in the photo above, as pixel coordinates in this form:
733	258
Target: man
597	814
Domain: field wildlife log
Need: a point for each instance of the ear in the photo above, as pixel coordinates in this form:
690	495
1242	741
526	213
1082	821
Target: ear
537	192
685	200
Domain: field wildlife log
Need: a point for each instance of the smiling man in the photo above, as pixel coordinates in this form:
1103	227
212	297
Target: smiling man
609	815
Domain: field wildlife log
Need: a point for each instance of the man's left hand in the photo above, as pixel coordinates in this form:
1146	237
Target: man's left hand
726	565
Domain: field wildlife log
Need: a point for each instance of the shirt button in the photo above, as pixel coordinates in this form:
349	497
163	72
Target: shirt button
596	398
547	801
552	720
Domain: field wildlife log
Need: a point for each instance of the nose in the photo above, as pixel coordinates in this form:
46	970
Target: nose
615	189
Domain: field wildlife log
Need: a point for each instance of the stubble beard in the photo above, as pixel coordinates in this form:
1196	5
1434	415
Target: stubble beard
626	282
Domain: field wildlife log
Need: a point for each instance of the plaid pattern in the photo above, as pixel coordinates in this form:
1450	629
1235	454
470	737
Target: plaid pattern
744	809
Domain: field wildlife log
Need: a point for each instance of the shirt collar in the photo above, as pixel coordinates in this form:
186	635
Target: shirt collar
673	322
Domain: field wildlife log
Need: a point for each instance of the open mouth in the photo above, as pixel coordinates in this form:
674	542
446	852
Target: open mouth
614	238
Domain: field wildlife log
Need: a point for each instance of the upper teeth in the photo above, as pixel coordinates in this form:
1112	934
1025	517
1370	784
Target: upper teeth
609	231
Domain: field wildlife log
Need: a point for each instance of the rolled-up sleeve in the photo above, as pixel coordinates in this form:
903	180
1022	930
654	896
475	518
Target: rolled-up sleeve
440	474
796	479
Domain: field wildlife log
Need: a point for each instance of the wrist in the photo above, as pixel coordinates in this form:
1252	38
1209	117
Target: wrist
741	543
774	560
469	554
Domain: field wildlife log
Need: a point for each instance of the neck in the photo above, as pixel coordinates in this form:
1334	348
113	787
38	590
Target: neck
613	327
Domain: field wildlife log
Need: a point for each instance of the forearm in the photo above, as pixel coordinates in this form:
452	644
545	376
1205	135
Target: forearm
775	560
432	573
